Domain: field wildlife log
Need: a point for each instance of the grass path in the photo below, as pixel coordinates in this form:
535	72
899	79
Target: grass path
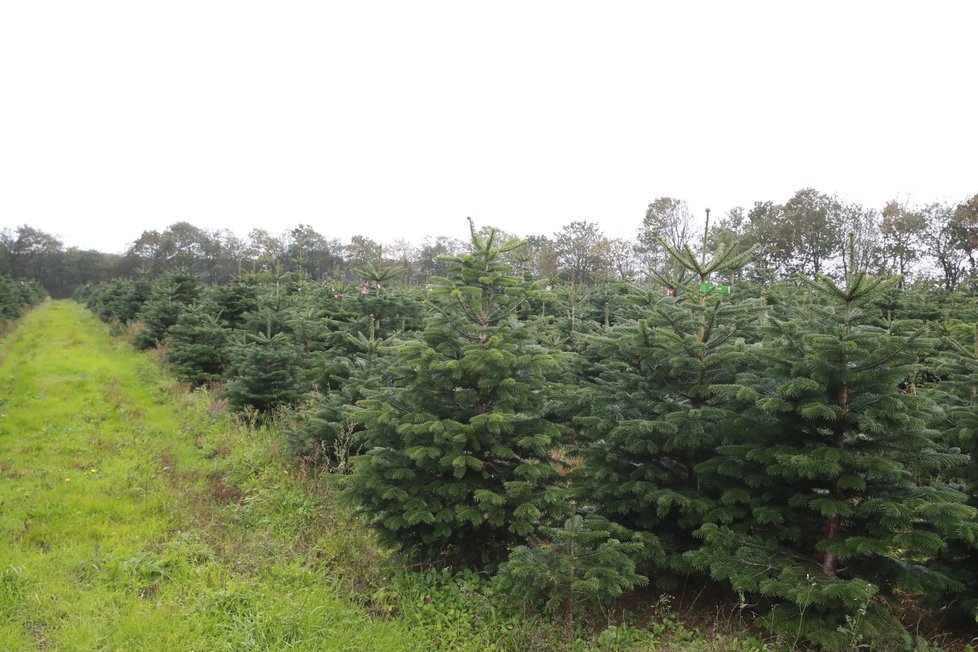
132	518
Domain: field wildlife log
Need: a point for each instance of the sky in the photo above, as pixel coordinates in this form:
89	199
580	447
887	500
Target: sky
400	119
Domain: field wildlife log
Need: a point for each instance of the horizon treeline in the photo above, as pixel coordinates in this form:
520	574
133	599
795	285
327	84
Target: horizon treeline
928	243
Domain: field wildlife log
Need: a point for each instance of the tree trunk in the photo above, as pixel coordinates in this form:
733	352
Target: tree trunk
833	526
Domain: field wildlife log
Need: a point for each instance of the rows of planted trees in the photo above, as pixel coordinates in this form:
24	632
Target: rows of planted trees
804	450
17	295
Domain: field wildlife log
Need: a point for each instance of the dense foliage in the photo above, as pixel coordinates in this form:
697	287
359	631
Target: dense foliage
458	460
649	415
803	448
17	295
580	566
833	491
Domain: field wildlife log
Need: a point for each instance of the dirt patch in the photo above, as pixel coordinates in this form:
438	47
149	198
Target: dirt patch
149	590
134	413
38	631
221	491
112	393
8	472
168	462
202	502
177	478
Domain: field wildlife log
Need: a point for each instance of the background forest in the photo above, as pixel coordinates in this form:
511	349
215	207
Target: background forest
931	244
780	416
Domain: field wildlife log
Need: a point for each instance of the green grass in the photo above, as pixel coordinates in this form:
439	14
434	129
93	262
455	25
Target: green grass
137	516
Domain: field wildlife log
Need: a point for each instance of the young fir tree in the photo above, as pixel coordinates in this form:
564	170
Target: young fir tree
343	333
235	300
327	431
197	347
650	415
308	325
458	464
272	305
269	366
170	296
388	311
263	373
578	568
827	505
119	300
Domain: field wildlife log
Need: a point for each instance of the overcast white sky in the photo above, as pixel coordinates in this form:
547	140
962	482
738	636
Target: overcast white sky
399	119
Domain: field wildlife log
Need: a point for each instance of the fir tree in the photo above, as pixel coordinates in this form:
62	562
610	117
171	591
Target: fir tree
826	505
650	416
234	301
197	347
170	296
957	368
573	570
374	281
272	303
458	451
119	300
327	431
263	374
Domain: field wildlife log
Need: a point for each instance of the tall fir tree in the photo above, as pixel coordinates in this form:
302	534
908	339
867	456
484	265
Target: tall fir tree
828	503
649	415
458	465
